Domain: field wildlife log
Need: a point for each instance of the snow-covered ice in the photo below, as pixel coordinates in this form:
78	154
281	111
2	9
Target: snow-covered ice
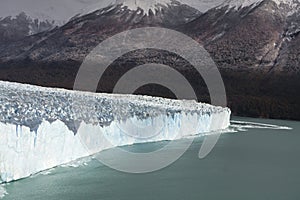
41	128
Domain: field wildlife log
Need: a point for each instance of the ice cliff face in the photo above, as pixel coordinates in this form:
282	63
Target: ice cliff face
41	128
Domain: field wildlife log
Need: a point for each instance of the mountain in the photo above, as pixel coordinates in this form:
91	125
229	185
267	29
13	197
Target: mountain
52	58
20	26
62	11
45	10
256	45
19	19
71	42
263	35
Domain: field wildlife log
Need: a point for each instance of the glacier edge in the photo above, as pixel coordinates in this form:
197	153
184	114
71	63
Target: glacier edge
27	149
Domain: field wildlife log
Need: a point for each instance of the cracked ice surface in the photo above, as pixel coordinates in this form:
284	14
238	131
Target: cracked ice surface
41	128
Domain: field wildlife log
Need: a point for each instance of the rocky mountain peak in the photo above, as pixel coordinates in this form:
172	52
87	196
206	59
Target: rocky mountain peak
147	7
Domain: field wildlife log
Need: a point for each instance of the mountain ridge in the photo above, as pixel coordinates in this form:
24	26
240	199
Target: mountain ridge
255	48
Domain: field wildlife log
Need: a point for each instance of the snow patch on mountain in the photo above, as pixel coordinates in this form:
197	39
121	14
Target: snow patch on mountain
63	10
141	5
287	2
41	16
144	5
239	4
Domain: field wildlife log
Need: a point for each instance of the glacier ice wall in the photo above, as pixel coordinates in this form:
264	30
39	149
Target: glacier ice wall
41	128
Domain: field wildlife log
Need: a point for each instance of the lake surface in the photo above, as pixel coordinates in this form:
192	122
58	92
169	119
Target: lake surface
256	162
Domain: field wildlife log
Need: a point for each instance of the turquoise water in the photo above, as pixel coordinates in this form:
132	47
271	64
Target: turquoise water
252	164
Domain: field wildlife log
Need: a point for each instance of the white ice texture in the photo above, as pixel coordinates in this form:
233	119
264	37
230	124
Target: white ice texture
41	128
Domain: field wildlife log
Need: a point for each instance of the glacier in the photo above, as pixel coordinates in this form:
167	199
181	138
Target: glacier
41	128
